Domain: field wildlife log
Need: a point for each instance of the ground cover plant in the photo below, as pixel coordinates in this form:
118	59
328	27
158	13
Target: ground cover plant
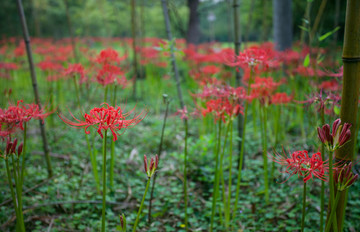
154	134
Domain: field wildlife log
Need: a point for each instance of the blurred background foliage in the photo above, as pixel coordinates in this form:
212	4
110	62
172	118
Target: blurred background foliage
111	18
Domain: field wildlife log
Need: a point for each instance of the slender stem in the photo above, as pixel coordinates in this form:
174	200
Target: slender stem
93	163
227	218
141	205
77	92
216	181
331	183
104	184
185	177
230	168
266	181
242	149
112	154
12	189
159	154
23	155
333	212
303	208
322	193
20	219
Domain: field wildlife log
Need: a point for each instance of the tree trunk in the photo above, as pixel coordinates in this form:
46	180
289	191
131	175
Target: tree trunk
249	22
34	83
193	32
282	23
350	90
71	32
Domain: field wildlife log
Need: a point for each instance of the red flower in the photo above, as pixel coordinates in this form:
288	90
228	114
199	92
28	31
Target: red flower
222	107
75	69
280	98
105	118
304	166
15	116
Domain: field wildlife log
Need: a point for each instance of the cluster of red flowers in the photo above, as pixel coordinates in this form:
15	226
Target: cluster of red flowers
15	116
305	166
109	72
107	118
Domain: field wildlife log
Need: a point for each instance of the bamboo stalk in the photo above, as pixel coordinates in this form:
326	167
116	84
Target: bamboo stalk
350	90
34	83
318	17
237	43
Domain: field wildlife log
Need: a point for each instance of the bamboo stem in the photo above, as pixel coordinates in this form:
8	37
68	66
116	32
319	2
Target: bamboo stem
34	84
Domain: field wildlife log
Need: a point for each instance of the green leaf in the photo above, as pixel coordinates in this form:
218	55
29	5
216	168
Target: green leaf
337	110
324	36
303	28
307	60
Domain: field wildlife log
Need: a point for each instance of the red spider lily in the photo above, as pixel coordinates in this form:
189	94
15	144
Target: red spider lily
15	116
280	98
222	107
49	66
74	69
183	113
344	177
105	118
109	56
108	74
332	85
150	169
322	100
304	166
210	70
251	57
8	66
338	137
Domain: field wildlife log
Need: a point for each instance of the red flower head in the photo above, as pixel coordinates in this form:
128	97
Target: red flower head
251	57
301	164
280	98
74	69
222	107
15	116
105	118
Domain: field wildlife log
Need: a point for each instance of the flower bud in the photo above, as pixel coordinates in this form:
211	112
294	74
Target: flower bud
8	146
122	223
145	164
335	126
20	149
13	147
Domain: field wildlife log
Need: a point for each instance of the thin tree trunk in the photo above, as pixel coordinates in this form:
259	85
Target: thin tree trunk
318	17
34	83
350	90
237	44
71	32
193	32
282	23
178	87
133	35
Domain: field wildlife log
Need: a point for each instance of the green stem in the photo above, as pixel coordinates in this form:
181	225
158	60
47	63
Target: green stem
322	193
227	218
303	208
333	212
331	182
266	180
20	219
93	163
141	205
242	149
112	154
12	189
216	181
104	184
77	92
185	176
230	168
23	155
